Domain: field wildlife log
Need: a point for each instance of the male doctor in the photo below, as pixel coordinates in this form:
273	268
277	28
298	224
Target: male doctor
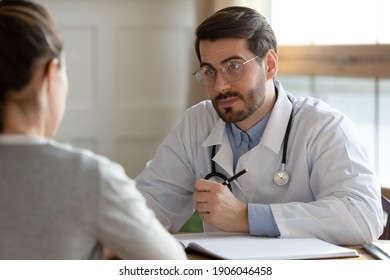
308	174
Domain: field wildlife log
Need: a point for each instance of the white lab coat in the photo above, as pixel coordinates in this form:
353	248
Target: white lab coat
332	194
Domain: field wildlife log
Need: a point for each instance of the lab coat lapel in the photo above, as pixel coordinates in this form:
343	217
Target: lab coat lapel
277	124
224	155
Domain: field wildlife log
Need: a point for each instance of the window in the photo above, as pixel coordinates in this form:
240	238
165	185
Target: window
304	22
339	51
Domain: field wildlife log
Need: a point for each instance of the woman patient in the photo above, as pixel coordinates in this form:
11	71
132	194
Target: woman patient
59	202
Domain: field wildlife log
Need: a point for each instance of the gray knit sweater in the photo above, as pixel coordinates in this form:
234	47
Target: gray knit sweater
58	202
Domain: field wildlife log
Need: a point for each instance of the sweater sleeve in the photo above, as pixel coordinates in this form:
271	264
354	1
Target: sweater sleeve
125	224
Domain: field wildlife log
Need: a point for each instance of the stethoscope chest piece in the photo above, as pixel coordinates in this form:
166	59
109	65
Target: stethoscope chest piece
281	177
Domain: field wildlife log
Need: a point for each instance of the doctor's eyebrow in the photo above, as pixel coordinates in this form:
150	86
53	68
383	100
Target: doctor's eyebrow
222	62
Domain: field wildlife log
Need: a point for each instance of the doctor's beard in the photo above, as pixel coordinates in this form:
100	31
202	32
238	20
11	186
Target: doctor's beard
252	103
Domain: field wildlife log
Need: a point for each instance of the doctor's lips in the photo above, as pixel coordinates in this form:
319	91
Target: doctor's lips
228	102
225	95
227	99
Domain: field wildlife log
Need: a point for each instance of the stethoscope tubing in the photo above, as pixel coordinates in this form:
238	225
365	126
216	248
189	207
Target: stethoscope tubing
214	173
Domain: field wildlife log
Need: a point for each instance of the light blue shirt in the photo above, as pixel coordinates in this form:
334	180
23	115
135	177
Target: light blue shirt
241	142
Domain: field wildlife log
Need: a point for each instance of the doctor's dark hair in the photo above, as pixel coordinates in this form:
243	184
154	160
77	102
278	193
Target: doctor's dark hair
27	35
239	23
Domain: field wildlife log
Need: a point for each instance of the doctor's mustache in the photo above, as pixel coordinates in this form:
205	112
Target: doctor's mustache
227	94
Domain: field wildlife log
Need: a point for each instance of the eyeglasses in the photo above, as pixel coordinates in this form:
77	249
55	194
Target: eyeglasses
232	71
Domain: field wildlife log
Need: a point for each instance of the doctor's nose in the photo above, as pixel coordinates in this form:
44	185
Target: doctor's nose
221	84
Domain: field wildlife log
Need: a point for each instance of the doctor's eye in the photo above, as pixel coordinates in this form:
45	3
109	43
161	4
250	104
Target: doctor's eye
234	66
207	71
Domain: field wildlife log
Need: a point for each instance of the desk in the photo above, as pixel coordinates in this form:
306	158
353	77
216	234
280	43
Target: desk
363	255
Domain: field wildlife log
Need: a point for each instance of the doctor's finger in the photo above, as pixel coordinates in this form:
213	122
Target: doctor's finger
206	185
202	208
201	196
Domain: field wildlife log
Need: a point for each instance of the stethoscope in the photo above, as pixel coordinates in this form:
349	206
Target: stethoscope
281	176
219	177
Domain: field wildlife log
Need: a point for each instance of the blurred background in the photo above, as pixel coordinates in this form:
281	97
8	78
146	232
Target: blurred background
130	65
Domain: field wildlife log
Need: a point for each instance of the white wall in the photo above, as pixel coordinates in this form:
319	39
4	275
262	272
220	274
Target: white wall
129	67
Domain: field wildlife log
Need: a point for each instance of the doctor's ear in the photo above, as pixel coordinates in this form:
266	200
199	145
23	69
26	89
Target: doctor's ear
271	62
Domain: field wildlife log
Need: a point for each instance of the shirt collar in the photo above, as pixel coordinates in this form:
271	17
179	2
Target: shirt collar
254	133
22	139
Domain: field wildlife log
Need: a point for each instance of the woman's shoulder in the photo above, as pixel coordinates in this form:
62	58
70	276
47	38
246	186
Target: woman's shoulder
86	158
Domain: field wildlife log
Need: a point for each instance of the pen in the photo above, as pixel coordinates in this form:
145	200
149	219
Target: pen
234	177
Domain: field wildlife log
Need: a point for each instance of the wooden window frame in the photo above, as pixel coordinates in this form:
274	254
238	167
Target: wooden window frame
372	61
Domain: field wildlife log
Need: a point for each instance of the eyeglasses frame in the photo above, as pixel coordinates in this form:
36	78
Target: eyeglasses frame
223	72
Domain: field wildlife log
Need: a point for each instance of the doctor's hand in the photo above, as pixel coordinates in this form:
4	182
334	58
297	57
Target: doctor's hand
218	207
